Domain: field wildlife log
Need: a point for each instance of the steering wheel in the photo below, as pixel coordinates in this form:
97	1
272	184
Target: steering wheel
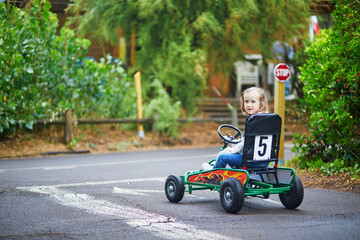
234	139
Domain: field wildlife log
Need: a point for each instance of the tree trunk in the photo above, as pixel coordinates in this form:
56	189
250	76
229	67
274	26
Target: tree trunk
67	127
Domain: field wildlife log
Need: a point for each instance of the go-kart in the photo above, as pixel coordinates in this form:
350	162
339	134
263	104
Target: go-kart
261	145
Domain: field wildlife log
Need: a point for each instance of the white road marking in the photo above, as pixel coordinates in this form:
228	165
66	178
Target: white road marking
272	201
64	167
135	192
266	200
159	225
156	179
197	197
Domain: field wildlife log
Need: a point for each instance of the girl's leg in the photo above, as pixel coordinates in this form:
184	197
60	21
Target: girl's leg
225	157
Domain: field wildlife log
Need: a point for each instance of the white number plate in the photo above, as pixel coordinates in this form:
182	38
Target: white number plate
262	147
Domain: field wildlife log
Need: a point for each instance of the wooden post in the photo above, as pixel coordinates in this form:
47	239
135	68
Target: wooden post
279	108
133	47
67	126
140	126
282	74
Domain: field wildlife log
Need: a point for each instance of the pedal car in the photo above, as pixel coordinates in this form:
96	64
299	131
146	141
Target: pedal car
262	139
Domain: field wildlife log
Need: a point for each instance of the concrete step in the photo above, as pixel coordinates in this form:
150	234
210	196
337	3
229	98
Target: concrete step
217	108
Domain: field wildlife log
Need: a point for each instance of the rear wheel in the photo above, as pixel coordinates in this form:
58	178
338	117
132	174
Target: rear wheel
174	188
293	198
232	195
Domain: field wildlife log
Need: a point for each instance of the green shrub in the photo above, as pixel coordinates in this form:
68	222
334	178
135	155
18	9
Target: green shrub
30	60
104	90
167	112
181	71
331	78
328	168
42	75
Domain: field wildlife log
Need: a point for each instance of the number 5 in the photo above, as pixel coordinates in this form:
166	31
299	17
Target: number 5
262	147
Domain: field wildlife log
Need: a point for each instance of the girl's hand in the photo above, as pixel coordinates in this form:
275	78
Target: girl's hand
228	137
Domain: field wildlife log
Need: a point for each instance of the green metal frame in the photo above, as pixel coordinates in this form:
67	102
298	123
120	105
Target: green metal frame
251	187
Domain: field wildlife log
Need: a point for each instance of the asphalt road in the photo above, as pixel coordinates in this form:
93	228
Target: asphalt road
121	196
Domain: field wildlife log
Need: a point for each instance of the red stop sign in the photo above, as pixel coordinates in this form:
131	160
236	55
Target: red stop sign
282	72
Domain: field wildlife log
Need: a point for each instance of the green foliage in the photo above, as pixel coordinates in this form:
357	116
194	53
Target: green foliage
182	74
326	168
42	75
177	40
339	166
23	59
331	78
163	111
74	142
279	20
104	90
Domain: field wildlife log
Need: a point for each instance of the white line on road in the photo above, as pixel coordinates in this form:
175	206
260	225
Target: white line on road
265	200
135	192
159	225
98	164
272	201
156	179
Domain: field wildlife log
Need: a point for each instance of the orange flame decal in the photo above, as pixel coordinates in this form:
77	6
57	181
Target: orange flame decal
217	176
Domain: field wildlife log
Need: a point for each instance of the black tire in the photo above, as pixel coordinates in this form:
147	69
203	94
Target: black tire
174	188
232	195
294	197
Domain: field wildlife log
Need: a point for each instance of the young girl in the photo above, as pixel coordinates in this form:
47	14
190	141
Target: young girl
253	100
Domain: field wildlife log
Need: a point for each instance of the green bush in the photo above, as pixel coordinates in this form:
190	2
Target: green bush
167	112
42	75
104	90
29	59
182	73
328	168
331	78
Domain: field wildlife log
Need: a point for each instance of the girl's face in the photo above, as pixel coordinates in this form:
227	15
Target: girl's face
252	102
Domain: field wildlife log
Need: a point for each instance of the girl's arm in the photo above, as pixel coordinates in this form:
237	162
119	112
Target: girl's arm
237	148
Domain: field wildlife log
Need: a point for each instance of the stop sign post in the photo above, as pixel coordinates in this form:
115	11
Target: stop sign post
282	74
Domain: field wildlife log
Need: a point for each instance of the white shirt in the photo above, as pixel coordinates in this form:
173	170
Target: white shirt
237	148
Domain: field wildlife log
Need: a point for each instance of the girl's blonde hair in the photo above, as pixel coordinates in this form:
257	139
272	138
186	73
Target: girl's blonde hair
264	107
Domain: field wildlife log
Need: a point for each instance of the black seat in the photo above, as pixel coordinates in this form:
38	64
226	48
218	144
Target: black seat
262	140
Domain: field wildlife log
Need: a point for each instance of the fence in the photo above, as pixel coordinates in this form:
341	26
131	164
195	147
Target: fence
68	122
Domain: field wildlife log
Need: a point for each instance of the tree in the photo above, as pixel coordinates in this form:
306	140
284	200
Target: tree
177	39
43	75
331	78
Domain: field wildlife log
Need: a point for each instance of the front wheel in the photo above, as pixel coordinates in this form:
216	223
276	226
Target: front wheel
232	195
174	188
293	198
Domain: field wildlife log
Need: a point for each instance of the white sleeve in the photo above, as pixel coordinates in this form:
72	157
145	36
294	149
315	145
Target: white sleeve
238	147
